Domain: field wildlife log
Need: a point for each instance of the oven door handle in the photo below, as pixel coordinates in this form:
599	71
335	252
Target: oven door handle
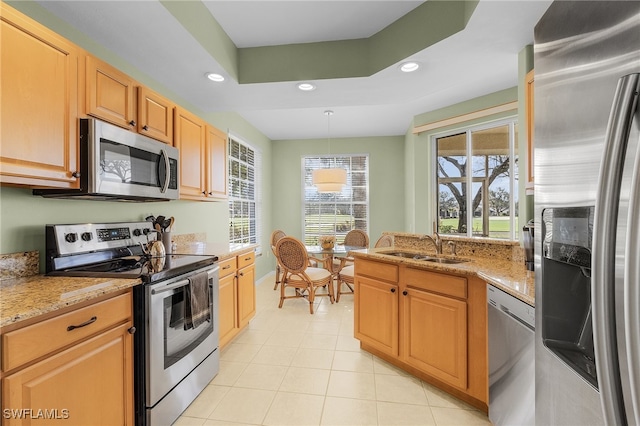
178	284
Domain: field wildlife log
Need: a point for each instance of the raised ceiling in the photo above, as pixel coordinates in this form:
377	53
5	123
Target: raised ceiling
176	42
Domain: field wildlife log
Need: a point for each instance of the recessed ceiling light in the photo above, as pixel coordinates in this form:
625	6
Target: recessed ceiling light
214	77
409	66
306	87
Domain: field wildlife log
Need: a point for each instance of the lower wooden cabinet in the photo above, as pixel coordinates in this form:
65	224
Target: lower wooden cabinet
246	288
87	382
237	295
376	313
435	335
430	323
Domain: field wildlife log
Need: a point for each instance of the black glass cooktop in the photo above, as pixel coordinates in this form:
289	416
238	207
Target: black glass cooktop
147	268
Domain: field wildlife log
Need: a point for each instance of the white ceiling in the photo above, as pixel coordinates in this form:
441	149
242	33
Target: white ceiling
479	60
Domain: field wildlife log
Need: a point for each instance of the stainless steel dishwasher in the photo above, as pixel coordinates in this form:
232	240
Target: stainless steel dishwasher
511	324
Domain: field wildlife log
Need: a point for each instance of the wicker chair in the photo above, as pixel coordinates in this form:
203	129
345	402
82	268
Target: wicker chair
384	241
356	238
346	270
275	237
292	256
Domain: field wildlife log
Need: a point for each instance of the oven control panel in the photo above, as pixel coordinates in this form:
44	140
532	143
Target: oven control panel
89	237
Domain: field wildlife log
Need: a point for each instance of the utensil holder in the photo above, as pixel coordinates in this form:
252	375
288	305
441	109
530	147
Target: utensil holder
166	241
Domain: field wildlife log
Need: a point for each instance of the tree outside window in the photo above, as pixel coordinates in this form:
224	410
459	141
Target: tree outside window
477	178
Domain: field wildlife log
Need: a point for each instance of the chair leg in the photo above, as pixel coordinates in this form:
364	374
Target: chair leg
282	285
312	294
277	277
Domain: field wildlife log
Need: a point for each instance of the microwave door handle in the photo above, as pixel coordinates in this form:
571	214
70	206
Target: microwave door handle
604	248
167	171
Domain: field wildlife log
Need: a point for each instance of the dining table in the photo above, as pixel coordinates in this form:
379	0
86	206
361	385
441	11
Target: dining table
337	250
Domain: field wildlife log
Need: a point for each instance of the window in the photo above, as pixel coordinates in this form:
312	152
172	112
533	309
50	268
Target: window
336	213
244	194
477	172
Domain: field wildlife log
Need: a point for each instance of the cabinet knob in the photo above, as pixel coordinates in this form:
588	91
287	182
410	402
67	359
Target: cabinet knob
393	290
145	127
76	174
241	274
210	193
132	123
404	293
204	192
132	330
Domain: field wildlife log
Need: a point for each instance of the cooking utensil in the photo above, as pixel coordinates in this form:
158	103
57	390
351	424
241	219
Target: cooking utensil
171	221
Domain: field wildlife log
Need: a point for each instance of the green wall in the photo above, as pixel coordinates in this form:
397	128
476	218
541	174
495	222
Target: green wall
23	217
401	173
386	180
420	155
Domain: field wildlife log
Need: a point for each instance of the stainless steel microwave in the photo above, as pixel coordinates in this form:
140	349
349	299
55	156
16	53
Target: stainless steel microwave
117	164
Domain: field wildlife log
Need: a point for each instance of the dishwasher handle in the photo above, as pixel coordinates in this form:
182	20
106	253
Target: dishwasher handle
515	317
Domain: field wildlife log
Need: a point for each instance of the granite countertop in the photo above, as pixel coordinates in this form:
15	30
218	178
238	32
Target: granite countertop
222	250
25	298
508	276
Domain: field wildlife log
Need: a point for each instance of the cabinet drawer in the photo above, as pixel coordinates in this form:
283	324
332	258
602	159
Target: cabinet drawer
378	270
227	267
34	341
246	259
450	285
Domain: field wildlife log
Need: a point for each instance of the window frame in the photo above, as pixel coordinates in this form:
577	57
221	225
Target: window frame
512	122
256	236
348	187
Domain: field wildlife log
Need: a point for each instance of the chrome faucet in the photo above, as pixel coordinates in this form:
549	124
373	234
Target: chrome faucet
437	242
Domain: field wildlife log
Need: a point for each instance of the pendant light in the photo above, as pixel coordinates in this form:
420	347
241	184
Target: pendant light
329	179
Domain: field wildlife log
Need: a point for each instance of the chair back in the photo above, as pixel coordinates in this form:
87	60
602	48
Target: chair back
356	238
276	235
292	254
384	241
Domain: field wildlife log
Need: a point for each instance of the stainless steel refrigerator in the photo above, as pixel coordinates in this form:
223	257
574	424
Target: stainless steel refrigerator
587	213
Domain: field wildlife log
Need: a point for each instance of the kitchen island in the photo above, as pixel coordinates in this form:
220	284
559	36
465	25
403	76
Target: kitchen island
426	312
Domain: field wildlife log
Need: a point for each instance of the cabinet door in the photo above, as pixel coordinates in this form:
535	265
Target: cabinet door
190	140
39	77
110	94
227	309
376	314
435	335
216	163
155	116
246	295
88	384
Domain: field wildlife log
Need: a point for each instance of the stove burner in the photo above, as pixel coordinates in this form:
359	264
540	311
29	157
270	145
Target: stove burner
120	265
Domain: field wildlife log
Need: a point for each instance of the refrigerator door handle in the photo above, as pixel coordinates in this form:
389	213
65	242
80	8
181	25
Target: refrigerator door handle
632	289
604	249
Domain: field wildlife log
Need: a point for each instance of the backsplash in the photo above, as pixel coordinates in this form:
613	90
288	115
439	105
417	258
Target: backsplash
18	265
465	246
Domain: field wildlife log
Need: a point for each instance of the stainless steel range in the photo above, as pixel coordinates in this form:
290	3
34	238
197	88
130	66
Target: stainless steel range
174	357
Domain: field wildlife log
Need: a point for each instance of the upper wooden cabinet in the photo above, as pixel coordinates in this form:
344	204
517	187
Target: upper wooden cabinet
217	169
155	116
39	77
190	139
111	96
203	158
529	106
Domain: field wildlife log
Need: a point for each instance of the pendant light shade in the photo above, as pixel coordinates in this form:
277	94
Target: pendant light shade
330	179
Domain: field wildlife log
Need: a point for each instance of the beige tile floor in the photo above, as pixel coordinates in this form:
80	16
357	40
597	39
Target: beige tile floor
292	368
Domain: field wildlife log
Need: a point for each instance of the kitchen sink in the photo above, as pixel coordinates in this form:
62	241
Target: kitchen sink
447	260
426	258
